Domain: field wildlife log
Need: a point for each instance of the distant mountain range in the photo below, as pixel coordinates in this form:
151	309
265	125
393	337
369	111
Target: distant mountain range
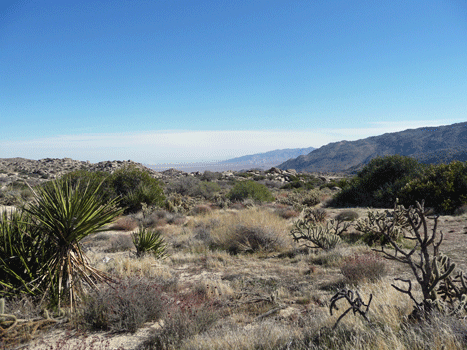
269	158
258	161
440	144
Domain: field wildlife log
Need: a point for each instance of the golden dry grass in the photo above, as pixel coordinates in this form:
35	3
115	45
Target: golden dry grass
279	299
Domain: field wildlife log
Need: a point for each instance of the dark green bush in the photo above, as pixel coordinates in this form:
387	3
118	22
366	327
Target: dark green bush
442	186
379	182
250	189
135	186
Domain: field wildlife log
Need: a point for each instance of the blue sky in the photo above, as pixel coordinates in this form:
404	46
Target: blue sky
178	81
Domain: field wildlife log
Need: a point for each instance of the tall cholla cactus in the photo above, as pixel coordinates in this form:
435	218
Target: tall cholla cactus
431	269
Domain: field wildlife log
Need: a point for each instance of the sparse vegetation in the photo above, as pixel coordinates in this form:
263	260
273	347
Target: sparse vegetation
235	278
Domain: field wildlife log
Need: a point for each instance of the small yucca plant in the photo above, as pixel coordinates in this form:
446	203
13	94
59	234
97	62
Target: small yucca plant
149	241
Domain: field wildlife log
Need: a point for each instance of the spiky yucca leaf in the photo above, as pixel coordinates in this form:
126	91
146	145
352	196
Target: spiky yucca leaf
22	250
149	241
66	215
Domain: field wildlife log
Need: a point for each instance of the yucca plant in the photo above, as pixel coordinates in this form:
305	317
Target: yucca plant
66	214
149	241
22	250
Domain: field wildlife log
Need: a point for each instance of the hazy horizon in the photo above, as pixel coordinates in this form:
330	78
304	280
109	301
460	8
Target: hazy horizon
182	81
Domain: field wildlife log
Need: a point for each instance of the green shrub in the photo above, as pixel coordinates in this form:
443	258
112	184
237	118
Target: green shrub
443	186
379	182
135	186
250	189
182	186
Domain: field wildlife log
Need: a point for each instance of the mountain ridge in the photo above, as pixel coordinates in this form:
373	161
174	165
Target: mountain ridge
427	144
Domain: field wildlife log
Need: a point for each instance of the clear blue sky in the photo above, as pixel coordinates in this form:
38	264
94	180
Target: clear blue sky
177	81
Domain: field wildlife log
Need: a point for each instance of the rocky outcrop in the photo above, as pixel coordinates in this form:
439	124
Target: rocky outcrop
13	170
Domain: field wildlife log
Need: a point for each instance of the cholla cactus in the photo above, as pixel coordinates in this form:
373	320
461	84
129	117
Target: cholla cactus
431	269
377	226
321	236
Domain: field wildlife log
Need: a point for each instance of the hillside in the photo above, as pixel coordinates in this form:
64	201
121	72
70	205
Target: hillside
429	145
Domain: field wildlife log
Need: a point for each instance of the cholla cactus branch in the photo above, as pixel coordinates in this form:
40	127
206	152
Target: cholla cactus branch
356	304
431	269
320	236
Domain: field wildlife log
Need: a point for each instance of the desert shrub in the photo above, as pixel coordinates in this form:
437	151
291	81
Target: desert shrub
332	258
299	200
379	182
201	209
191	186
461	210
250	189
120	243
341	183
363	267
210	176
249	230
123	307
249	239
206	189
125	223
183	322
347	215
302	182
443	186
287	213
183	185
149	241
151	216
15	193
85	177
135	186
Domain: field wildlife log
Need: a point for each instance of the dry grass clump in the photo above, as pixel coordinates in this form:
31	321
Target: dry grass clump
363	267
249	230
287	213
125	306
213	289
265	335
123	266
201	209
120	243
188	316
124	223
